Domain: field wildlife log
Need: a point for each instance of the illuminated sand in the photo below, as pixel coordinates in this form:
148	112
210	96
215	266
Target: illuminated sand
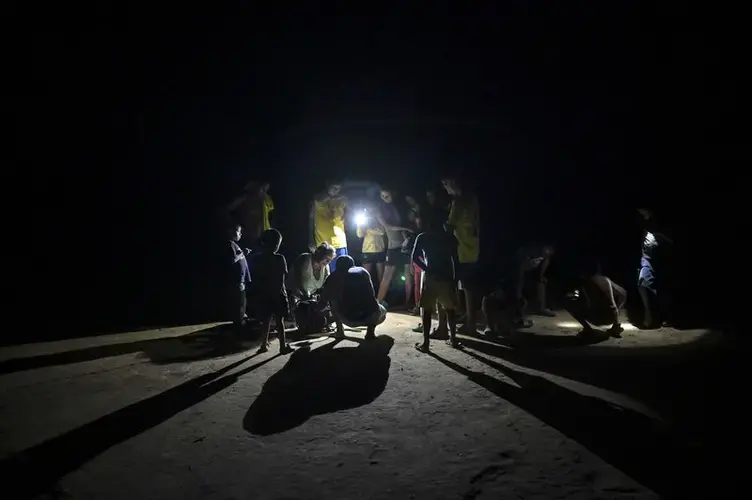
451	426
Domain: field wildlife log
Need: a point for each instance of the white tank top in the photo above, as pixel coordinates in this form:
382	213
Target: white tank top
309	282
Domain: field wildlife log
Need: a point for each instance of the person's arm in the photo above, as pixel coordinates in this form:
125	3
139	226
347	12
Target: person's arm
451	222
543	268
418	254
612	301
236	203
270	208
455	254
237	255
390	227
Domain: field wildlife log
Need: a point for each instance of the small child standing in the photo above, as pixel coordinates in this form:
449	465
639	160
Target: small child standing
435	253
269	271
242	276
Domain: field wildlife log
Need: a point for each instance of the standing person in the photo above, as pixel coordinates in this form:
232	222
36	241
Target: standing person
242	276
327	220
350	293
374	248
533	262
435	253
414	277
598	304
268	274
651	283
252	210
390	219
464	222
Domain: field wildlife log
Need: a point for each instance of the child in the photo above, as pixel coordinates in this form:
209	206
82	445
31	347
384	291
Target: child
598	304
242	276
268	286
435	253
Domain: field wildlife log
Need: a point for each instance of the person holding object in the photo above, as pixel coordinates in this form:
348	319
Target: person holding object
598	303
374	248
389	217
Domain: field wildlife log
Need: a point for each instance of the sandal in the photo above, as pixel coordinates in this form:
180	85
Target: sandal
422	348
456	344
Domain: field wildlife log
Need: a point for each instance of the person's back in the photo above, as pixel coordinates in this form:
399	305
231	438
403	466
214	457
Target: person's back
350	292
439	250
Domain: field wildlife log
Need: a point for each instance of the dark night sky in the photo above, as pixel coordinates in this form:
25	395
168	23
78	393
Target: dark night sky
137	124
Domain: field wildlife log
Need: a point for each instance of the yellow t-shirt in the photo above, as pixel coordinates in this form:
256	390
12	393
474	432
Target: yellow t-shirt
268	208
464	217
329	222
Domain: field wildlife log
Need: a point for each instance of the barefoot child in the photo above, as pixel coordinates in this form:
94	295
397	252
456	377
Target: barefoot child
435	253
268	273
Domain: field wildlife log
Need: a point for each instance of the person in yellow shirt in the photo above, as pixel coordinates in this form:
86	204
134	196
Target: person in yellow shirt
327	221
464	222
374	246
252	210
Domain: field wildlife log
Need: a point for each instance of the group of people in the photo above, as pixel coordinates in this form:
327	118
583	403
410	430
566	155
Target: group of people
434	245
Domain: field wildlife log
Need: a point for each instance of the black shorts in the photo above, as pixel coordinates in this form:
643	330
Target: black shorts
373	257
268	306
468	275
395	257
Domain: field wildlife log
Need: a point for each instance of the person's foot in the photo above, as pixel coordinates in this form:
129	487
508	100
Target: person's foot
419	328
545	312
439	334
264	347
422	347
415	311
523	323
339	334
454	343
488	332
615	331
587	332
285	349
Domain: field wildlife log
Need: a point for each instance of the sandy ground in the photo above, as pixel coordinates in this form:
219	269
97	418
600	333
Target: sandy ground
191	413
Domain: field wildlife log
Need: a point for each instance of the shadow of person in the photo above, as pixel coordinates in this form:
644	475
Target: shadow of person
641	447
318	381
36	470
521	339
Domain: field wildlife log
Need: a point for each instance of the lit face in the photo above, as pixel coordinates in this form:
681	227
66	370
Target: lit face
237	234
334	190
386	196
645	213
325	260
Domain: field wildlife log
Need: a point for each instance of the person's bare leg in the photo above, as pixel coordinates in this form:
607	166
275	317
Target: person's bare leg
645	295
386	280
490	314
283	347
543	309
442	331
379	271
470	320
340	332
266	325
452	318
408	286
576	308
426	328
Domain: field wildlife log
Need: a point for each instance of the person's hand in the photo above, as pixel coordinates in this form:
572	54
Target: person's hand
247	251
311	247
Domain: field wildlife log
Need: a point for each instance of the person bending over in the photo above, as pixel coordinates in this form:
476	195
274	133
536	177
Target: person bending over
598	303
349	292
435	253
532	264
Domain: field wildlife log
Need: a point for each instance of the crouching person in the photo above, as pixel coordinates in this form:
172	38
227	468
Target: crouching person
349	292
598	303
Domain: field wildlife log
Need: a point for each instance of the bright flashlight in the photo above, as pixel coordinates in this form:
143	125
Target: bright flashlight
361	218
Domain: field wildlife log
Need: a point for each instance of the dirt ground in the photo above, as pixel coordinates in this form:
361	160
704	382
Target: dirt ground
191	412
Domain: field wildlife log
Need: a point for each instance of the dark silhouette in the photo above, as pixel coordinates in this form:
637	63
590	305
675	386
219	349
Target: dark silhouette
212	342
319	381
36	470
638	446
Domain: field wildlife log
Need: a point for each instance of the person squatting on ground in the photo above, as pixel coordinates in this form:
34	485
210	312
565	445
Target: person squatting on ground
373	252
396	259
651	283
464	222
498	312
309	273
349	292
532	265
327	221
435	253
598	303
242	276
268	275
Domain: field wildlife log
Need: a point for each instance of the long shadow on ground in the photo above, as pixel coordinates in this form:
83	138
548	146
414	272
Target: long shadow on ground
318	381
214	342
36	470
647	450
